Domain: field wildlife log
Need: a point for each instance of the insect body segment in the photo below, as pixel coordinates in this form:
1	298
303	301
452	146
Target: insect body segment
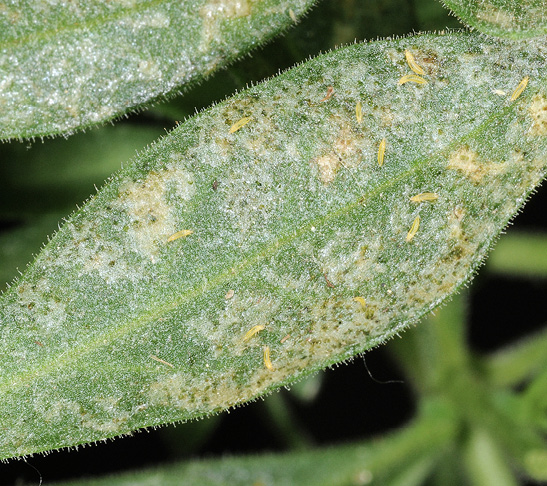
292	15
254	330
413	229
361	301
425	196
381	152
520	88
240	123
179	234
412	63
412	78
359	112
267	360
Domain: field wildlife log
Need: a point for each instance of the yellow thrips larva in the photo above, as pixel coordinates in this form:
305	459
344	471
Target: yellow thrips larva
520	88
425	196
330	92
292	15
412	63
359	112
267	360
229	294
254	330
159	360
240	123
381	152
283	339
361	301
413	229
412	78
180	234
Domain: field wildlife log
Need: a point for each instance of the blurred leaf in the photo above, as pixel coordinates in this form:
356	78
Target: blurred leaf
519	362
520	255
487	465
55	175
88	62
190	437
432	16
283	424
432	351
534	401
406	455
511	19
307	390
270	212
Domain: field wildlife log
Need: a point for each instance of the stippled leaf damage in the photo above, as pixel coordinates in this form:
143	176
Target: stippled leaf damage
223	263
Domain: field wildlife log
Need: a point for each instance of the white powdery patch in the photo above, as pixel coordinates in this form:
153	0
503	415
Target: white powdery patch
216	11
150	212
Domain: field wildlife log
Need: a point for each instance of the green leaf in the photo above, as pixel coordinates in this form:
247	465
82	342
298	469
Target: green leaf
486	464
85	64
510	19
288	222
44	182
521	362
520	254
403	458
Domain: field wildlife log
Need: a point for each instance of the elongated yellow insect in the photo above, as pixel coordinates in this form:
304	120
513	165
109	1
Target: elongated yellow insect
412	78
412	64
240	123
359	112
267	360
381	152
361	301
520	88
425	196
180	234
254	330
413	229
292	15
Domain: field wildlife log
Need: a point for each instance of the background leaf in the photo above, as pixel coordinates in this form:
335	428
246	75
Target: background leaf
398	459
520	254
292	219
511	19
90	62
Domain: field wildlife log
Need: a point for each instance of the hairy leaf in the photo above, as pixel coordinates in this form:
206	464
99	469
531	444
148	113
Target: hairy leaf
262	240
90	61
511	19
43	183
